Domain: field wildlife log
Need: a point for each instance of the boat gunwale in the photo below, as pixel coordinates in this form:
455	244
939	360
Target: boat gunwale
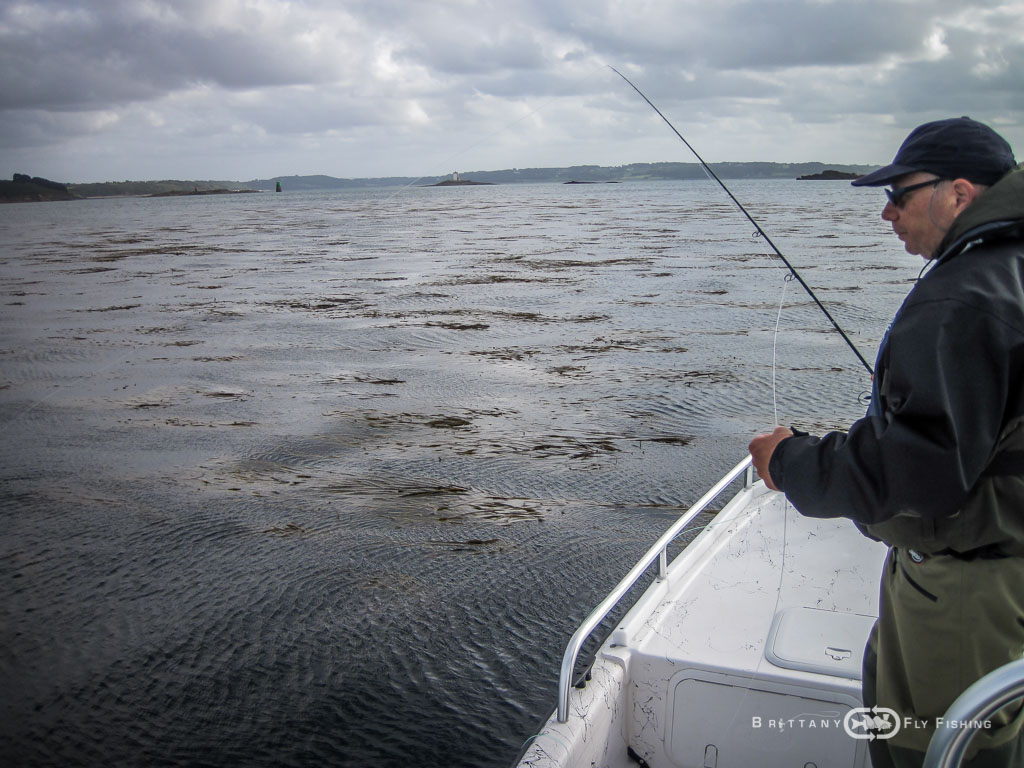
658	551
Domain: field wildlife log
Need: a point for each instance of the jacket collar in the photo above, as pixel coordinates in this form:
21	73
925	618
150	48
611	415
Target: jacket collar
999	209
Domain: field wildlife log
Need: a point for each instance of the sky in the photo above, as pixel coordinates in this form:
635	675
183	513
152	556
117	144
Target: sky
105	90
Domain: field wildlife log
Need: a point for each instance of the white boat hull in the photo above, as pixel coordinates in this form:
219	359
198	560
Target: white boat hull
747	653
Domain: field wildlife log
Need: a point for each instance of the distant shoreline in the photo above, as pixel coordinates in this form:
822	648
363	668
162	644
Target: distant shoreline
579	174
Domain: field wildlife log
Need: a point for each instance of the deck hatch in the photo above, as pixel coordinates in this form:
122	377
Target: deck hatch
729	719
813	640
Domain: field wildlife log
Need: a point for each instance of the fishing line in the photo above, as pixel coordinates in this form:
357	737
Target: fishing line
792	275
760	231
775	342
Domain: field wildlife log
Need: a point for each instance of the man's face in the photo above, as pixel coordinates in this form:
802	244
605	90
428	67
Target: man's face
922	217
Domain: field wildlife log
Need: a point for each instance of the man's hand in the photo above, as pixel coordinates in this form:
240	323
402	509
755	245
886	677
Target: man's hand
761	449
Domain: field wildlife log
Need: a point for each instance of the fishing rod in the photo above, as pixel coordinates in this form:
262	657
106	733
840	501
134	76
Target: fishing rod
761	232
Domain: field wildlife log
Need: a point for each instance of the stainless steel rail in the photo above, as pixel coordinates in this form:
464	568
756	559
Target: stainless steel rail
657	552
975	705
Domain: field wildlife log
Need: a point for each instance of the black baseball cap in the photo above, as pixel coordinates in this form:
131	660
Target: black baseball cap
958	148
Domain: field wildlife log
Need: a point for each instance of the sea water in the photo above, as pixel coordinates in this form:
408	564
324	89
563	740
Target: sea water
330	478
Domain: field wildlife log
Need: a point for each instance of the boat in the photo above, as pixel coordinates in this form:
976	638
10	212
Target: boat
745	650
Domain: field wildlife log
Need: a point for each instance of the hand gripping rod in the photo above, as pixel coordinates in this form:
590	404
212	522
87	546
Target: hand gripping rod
757	226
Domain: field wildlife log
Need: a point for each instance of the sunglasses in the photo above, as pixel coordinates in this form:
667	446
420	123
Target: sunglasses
898	196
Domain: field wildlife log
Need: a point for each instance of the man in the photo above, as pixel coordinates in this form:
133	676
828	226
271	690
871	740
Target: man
935	469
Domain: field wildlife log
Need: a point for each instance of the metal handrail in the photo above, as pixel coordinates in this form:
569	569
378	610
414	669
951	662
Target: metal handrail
975	705
657	552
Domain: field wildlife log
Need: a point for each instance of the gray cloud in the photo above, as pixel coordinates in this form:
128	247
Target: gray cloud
344	84
752	34
74	55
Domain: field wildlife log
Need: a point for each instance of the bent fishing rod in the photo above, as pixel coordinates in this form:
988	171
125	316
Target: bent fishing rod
761	232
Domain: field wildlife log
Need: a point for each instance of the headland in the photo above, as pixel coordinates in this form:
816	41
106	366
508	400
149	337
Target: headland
26	189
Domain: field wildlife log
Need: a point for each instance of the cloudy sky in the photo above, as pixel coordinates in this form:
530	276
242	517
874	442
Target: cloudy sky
96	90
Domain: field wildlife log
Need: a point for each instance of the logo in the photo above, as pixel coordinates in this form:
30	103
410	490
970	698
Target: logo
871	724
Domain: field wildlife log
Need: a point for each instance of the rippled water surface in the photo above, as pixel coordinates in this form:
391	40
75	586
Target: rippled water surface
329	479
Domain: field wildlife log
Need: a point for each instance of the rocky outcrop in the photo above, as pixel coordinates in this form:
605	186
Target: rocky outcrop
461	183
185	193
829	176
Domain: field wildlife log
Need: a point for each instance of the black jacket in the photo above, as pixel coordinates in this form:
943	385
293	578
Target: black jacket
948	400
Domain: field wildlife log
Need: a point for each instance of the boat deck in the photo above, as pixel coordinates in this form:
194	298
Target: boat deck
747	653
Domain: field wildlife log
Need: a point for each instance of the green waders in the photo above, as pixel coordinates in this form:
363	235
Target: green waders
943	623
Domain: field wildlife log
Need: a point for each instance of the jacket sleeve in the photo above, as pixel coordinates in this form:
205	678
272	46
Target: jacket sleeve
945	395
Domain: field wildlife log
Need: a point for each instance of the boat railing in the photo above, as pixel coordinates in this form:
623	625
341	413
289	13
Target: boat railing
973	707
659	552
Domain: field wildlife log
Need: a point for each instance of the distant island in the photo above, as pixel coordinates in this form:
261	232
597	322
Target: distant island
830	175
